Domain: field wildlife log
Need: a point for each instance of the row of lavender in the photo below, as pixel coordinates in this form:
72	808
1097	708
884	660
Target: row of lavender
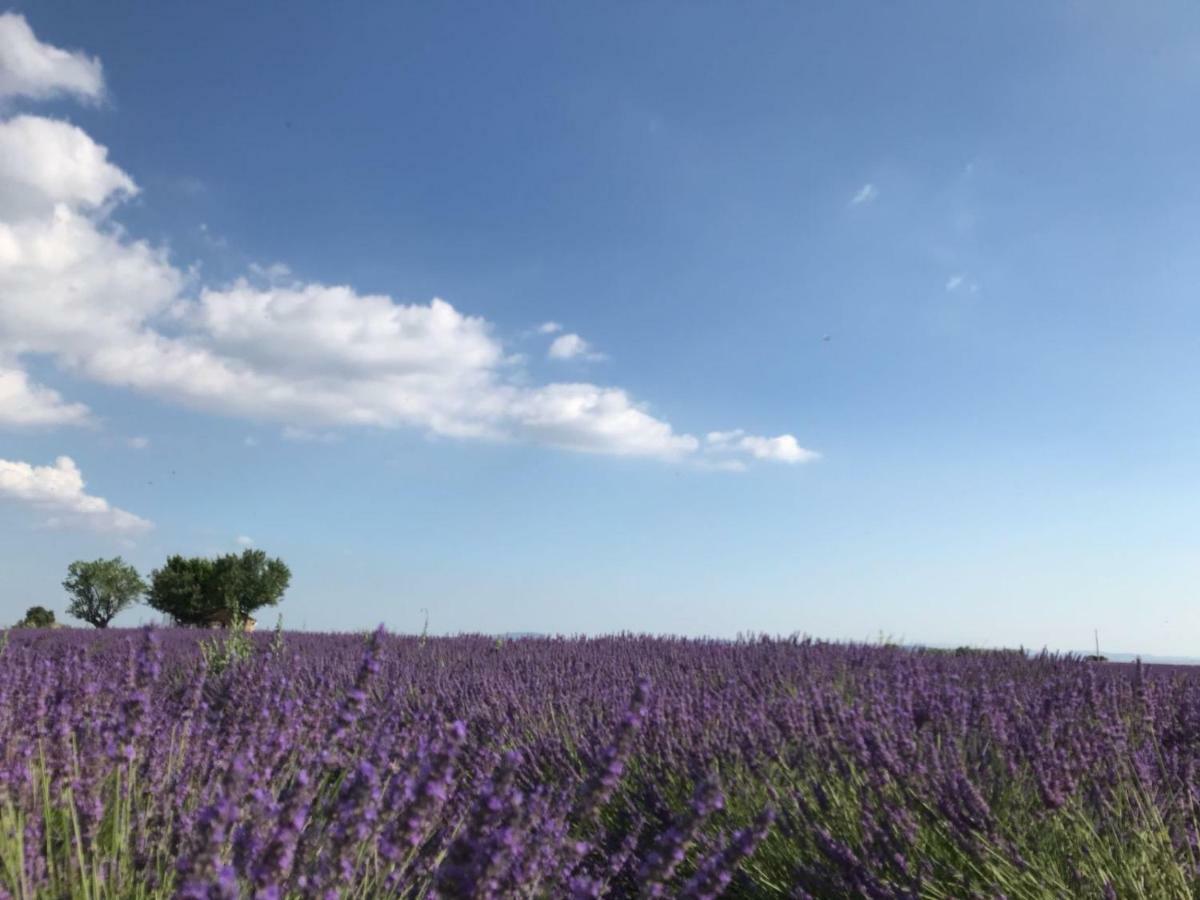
355	766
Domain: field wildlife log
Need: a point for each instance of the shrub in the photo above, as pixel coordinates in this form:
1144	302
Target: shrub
37	617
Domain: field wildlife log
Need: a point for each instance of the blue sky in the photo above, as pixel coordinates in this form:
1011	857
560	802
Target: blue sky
222	233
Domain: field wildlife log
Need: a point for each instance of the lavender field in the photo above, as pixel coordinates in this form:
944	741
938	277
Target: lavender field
133	765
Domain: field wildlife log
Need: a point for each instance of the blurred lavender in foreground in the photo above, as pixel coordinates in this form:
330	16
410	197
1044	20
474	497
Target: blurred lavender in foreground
332	766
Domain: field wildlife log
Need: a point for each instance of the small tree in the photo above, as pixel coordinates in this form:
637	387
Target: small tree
197	590
37	617
102	588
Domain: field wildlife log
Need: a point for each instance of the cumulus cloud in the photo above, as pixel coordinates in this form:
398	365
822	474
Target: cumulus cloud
595	420
784	448
244	541
25	404
45	162
268	348
549	328
58	491
29	68
334	331
865	194
572	346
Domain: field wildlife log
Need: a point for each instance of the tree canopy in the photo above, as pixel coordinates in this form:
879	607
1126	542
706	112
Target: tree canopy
37	617
102	588
195	590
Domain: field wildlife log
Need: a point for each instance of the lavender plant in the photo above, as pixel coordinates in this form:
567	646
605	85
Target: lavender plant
147	765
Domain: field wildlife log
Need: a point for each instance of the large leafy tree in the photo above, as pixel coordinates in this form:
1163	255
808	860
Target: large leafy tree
102	588
193	591
37	617
182	590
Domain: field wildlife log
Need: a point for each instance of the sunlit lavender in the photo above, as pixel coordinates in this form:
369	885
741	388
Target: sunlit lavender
144	764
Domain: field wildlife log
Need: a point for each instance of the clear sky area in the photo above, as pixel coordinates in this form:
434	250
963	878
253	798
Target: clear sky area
849	319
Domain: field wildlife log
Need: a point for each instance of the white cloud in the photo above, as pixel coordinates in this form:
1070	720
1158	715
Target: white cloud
549	328
244	541
58	490
25	404
334	331
68	284
250	441
139	442
572	346
865	194
784	448
45	162
309	357
29	68
595	420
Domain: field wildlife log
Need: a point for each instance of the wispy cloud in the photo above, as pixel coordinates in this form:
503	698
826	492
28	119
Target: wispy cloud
139	442
274	274
572	346
865	194
549	328
244	541
957	284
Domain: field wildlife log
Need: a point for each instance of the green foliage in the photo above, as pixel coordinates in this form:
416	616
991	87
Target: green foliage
102	588
84	865
194	591
183	590
37	617
277	644
225	653
1024	850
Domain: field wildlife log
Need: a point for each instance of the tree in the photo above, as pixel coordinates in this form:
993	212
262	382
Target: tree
181	589
102	588
194	591
37	617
